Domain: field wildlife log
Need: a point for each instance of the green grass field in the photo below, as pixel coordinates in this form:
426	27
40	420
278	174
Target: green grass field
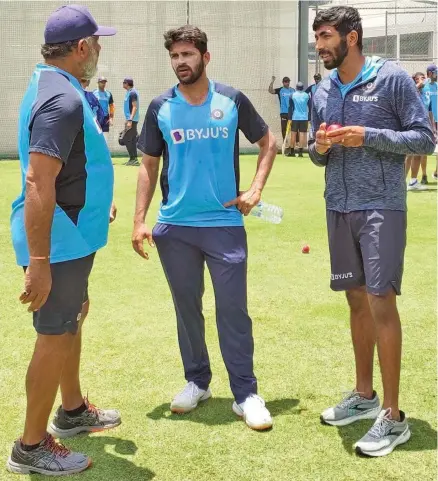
303	355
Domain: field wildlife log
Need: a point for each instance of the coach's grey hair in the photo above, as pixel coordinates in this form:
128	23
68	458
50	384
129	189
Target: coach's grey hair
60	50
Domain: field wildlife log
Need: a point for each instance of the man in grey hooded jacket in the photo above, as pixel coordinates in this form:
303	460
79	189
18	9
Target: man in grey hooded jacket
366	116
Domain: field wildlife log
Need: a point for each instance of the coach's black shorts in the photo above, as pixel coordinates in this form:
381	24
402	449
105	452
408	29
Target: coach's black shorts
299	125
367	248
61	312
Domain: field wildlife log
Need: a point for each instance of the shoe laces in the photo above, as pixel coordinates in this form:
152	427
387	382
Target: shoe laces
255	399
381	425
90	406
191	389
56	448
349	397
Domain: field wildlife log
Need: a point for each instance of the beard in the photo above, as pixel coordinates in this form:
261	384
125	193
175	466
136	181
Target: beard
337	56
190	76
90	66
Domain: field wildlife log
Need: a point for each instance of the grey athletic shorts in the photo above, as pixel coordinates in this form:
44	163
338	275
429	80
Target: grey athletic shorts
367	248
61	312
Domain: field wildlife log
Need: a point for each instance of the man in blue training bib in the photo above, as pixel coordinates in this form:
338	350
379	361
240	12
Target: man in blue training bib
195	127
299	114
58	223
106	101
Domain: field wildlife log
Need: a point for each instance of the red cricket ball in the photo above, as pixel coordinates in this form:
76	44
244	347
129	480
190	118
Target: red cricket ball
305	249
332	127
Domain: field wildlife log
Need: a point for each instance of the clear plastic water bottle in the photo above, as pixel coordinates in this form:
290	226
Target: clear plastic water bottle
268	212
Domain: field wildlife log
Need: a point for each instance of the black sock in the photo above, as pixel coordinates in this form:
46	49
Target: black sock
77	411
29	447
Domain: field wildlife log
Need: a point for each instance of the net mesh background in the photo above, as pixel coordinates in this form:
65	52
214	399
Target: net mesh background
249	42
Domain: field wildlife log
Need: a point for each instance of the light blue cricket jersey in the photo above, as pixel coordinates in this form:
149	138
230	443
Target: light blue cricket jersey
200	149
130	97
299	106
429	95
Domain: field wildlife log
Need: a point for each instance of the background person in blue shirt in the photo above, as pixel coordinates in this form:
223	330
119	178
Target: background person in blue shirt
429	93
429	90
311	89
299	114
106	101
284	93
93	102
413	162
383	119
58	223
131	106
195	127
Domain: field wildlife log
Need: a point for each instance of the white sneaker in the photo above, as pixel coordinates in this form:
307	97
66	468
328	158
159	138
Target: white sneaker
254	412
188	398
415	185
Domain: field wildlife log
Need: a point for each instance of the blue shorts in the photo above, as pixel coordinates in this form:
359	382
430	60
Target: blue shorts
61	312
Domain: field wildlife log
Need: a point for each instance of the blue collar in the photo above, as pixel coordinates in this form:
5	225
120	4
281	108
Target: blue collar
369	71
73	80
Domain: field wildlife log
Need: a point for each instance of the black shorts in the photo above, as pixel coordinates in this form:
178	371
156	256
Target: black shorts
299	125
367	248
62	311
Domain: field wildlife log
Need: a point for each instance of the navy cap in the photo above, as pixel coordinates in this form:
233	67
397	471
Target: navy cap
432	68
73	22
128	80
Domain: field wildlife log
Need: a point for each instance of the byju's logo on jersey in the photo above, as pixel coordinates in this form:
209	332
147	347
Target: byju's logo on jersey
217	114
365	98
178	136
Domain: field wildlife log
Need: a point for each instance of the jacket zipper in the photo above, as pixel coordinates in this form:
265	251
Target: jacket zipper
360	84
343	155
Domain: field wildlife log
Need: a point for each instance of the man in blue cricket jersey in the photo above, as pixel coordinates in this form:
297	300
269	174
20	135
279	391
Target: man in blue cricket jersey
131	108
429	90
106	101
284	94
383	119
299	114
93	102
195	127
413	162
311	89
58	223
430	95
